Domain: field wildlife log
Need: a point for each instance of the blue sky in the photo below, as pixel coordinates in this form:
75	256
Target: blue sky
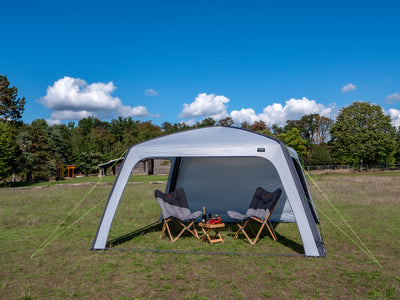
187	60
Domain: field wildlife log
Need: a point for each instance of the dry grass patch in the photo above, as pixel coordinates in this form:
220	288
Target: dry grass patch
360	189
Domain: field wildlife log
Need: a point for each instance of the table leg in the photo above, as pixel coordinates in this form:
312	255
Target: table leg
215	239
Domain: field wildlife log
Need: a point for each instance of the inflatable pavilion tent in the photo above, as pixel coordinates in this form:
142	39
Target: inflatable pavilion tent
220	168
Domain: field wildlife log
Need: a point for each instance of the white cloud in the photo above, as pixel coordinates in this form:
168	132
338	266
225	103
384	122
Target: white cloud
215	106
73	99
150	92
206	106
395	115
278	114
76	95
244	115
71	115
188	122
53	122
393	97
348	87
138	111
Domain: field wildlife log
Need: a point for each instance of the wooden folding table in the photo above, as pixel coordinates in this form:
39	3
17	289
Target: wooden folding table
207	227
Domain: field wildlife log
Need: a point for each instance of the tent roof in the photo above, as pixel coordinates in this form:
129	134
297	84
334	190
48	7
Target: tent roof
209	141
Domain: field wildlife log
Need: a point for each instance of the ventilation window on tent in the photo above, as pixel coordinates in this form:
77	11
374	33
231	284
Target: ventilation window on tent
260	149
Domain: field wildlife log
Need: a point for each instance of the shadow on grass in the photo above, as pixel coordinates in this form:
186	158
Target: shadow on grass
298	248
230	228
288	243
156	226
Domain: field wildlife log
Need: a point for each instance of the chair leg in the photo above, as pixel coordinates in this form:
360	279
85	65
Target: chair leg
169	232
241	229
166	226
271	230
248	238
237	232
186	227
194	230
266	224
258	233
252	230
162	230
179	223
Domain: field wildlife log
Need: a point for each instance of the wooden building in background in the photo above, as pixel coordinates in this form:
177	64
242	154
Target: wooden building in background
143	167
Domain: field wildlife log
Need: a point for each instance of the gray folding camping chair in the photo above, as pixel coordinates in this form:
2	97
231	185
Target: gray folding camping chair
259	211
175	208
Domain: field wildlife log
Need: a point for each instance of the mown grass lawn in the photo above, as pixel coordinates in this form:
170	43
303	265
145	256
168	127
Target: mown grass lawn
66	268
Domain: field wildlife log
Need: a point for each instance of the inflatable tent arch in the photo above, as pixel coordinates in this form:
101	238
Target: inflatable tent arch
220	168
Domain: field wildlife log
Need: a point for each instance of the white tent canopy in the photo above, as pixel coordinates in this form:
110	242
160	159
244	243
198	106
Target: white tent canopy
220	168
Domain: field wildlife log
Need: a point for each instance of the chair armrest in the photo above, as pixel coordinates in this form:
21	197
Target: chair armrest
236	215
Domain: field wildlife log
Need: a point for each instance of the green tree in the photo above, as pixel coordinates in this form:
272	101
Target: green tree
363	134
207	122
87	124
292	138
36	161
313	128
245	125
7	150
89	162
228	121
397	147
168	128
322	133
146	131
124	129
45	166
11	107
60	140
259	126
93	136
319	155
129	132
277	130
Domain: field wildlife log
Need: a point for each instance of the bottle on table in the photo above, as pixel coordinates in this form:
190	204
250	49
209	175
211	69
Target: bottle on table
204	217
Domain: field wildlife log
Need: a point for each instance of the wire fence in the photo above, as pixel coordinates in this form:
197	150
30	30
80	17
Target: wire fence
350	168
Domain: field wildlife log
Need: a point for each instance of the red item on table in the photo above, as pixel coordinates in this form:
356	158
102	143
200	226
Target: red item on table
217	220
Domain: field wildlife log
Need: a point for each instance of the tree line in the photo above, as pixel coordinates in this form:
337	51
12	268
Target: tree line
361	134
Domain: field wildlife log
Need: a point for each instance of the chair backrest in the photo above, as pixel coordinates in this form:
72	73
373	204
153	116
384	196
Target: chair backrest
263	203
173	204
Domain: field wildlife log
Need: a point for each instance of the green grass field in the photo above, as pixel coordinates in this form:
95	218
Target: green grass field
66	269
88	179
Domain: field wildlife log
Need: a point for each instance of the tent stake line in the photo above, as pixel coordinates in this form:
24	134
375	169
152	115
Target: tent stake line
205	252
